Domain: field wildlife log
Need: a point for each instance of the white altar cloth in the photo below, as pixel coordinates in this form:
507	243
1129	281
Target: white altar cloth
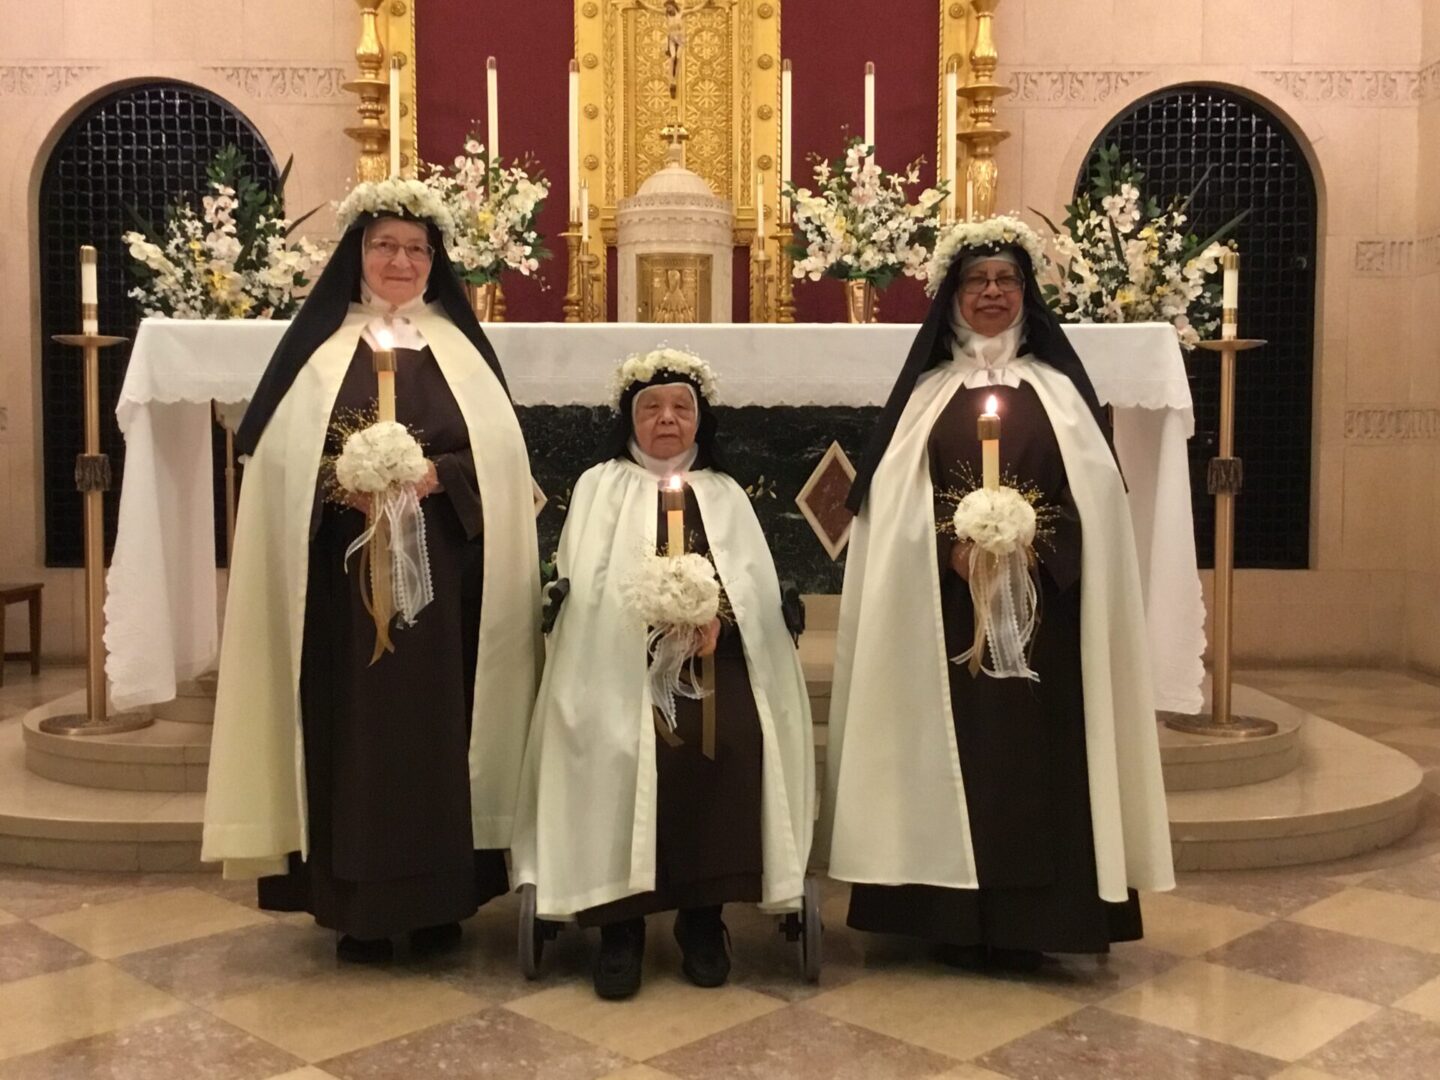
162	623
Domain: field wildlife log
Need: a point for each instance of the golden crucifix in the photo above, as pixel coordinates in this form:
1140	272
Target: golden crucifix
674	12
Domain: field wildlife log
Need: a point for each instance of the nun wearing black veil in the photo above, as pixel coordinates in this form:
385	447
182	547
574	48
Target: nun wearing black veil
375	789
1017	810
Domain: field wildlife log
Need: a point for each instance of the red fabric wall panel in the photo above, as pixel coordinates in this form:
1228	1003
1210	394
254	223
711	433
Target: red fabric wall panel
532	44
828	41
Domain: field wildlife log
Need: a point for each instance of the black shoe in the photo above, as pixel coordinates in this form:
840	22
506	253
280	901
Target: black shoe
429	940
622	953
1022	960
970	957
365	950
704	941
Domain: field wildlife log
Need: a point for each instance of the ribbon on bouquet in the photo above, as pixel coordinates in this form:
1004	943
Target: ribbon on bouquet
673	674
1002	591
394	563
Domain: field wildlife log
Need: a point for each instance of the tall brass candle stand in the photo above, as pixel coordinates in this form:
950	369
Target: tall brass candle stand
760	278
574	287
1224	482
785	275
92	480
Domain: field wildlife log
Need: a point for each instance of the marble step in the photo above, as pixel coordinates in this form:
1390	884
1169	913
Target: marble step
1209	762
61	826
1348	795
167	756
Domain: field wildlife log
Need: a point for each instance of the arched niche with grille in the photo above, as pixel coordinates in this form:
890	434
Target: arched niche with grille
1255	162
144	146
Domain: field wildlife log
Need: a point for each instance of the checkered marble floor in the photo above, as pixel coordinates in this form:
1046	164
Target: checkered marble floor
1297	974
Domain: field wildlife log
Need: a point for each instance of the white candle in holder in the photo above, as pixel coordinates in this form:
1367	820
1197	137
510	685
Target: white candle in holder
989	433
492	110
1230	304
787	130
673	499
394	116
574	140
952	89
89	290
584	213
870	105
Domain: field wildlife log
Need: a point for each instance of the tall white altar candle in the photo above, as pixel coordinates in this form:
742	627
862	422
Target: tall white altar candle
760	209
1230	304
787	130
574	140
492	110
672	495
952	86
394	118
384	359
584	213
89	290
989	432
869	103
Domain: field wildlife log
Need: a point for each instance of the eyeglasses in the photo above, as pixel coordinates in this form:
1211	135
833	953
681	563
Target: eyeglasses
978	283
389	249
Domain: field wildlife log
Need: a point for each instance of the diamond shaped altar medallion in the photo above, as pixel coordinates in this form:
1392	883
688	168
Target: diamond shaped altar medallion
822	500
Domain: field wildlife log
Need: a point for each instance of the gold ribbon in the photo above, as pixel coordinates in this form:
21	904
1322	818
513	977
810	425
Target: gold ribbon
379	598
707	713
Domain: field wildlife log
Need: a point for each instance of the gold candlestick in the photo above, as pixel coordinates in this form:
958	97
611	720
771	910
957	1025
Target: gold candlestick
981	90
573	285
92	480
761	277
785	275
372	86
1225	479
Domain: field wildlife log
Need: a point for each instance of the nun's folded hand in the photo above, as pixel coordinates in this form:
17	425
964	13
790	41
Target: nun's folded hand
429	483
709	640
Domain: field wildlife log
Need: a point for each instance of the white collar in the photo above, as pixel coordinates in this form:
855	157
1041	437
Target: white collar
663	467
986	360
403	332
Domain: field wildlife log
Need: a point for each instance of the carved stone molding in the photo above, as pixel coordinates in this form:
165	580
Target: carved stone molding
1360	86
1397	424
1039	87
1397	257
39	80
279	81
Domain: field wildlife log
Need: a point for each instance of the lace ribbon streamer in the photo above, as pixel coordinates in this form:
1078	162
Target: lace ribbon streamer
1003	593
394	563
673	674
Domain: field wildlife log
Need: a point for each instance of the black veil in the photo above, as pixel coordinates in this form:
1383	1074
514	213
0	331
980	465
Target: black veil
325	309
616	442
1044	338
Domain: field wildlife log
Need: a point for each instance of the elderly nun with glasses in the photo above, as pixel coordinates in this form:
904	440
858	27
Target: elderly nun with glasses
365	768
994	770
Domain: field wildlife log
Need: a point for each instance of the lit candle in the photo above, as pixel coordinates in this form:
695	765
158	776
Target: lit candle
385	376
1230	305
760	210
969	198
870	104
89	290
948	155
584	213
492	110
672	496
786	131
989	432
394	116
574	140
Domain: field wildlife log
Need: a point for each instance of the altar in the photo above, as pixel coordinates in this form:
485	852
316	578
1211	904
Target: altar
162	611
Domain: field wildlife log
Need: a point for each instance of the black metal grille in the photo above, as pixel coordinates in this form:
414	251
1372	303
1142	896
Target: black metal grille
1175	135
143	146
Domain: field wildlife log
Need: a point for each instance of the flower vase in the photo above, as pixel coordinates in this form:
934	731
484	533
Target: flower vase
482	300
859	301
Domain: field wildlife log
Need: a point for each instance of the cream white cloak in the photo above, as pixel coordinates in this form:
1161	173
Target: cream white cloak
894	780
586	820
255	811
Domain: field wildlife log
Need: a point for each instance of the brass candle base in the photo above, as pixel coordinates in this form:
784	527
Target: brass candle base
1232	727
80	724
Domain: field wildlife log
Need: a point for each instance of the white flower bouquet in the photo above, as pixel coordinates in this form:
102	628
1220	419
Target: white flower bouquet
676	597
494	208
858	224
233	259
996	520
1000	525
1124	259
383	463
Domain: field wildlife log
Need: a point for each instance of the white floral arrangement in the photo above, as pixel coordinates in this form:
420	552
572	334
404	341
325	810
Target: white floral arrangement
859	225
989	234
676	597
1123	259
997	520
642	367
233	259
380	457
494	209
400	196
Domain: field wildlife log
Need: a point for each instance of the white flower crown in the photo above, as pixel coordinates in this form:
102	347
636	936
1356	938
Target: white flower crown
992	232
397	195
641	368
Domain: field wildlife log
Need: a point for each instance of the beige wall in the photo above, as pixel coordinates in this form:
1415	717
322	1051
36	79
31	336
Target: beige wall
1353	83
279	62
1358	83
